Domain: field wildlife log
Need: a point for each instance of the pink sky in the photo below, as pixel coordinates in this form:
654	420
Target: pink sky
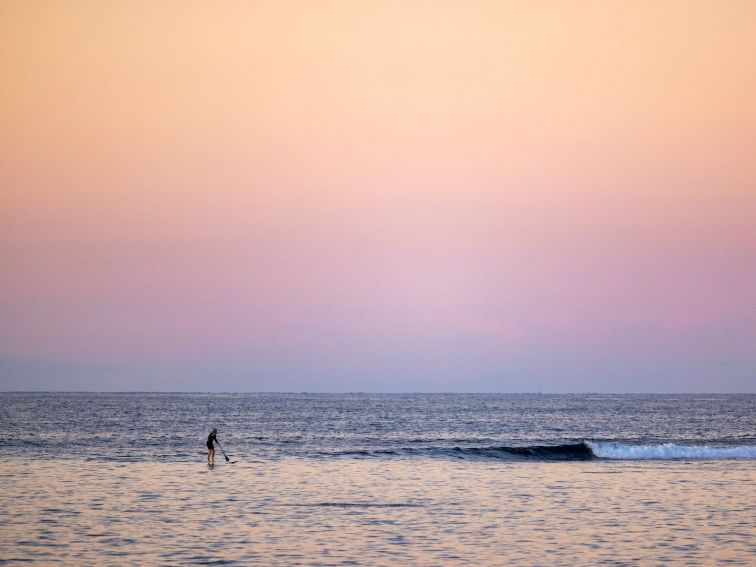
378	196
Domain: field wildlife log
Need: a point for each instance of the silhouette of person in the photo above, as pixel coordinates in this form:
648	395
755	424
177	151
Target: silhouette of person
211	447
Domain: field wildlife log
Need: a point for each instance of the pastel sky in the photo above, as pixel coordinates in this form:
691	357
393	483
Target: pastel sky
511	196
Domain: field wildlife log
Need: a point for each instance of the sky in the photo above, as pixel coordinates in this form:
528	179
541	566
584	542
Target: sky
383	196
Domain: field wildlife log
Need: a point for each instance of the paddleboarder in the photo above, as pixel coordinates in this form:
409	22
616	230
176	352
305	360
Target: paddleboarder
211	439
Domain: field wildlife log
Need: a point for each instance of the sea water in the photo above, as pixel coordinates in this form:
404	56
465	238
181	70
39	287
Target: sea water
368	479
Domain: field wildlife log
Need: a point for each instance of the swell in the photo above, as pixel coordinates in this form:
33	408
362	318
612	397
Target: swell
566	452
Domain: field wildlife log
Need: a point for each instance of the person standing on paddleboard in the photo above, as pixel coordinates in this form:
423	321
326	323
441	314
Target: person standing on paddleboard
211	447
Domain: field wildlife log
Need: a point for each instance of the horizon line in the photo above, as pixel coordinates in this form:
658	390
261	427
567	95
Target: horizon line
357	392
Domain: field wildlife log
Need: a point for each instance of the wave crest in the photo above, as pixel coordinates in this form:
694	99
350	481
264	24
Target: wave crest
668	451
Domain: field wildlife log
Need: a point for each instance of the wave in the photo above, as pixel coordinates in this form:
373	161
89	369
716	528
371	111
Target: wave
583	451
670	451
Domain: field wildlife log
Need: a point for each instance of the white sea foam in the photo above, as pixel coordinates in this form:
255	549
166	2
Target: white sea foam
670	451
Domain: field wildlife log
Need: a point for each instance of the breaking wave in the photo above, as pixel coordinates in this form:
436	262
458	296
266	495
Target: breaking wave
668	451
582	451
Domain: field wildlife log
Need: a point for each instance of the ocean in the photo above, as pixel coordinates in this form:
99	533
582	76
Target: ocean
378	479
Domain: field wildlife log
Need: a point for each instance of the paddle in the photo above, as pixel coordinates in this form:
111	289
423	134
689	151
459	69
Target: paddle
222	451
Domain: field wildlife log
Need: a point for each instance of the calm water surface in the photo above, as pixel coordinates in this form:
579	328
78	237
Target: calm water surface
378	480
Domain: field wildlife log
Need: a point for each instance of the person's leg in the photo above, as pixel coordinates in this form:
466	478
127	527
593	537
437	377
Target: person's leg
209	454
212	455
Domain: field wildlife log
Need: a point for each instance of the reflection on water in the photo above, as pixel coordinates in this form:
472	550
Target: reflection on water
401	511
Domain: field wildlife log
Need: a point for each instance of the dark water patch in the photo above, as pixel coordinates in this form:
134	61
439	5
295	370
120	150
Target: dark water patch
361	453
